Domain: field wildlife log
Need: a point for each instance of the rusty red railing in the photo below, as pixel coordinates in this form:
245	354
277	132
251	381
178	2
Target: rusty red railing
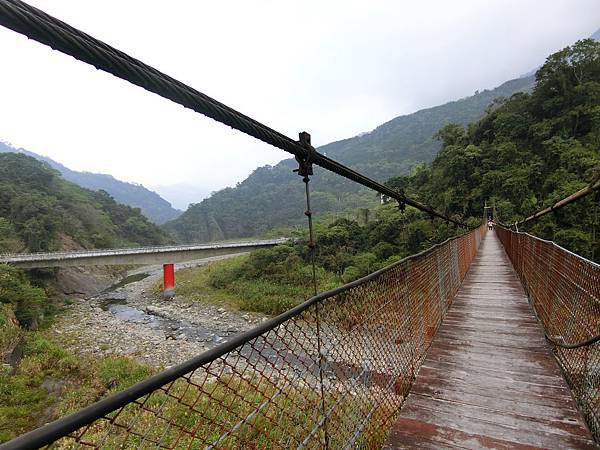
564	291
330	373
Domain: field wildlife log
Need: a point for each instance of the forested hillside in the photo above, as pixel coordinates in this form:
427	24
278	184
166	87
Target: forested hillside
153	206
40	211
399	143
273	196
526	153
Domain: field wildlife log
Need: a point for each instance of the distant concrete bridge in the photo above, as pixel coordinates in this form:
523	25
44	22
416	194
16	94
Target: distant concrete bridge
134	256
165	255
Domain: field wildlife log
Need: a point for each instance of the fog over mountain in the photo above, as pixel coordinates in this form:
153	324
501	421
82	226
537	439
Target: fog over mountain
182	195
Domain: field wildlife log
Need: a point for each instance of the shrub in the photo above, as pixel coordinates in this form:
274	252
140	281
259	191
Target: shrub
575	240
28	302
351	273
222	273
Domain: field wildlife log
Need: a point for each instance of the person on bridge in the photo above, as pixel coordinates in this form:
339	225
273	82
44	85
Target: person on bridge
490	224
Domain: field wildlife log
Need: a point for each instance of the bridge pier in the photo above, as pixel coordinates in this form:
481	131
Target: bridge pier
168	281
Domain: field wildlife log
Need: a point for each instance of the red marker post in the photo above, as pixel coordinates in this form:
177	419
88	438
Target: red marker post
168	281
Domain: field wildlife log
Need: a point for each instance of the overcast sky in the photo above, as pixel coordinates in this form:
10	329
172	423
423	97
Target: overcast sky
333	68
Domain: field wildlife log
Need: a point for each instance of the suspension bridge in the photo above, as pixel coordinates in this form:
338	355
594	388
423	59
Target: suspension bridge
487	340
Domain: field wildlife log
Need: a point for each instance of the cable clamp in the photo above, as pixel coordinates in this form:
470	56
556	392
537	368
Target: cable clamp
305	165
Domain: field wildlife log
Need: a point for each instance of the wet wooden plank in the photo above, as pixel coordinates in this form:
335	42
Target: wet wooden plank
489	379
409	433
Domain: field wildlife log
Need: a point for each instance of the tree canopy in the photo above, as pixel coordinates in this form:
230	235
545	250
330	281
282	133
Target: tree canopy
527	152
39	211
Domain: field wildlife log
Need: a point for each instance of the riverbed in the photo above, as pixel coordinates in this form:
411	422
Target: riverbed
129	319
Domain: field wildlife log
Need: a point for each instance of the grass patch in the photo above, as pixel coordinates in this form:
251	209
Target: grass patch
260	415
236	283
50	382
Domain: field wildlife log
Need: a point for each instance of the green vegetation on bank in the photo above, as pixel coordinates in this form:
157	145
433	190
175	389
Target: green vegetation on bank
50	382
40	211
28	304
271	281
237	283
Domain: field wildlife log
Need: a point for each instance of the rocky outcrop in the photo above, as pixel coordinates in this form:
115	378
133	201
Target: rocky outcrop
84	281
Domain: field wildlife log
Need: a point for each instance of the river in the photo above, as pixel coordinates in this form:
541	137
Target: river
130	319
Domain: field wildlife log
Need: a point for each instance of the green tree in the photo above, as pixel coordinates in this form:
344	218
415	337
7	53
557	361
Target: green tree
28	302
527	152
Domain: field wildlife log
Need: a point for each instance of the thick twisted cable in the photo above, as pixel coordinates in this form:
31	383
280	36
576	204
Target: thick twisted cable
37	25
43	28
562	344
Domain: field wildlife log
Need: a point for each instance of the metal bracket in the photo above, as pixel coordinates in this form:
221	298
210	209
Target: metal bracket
305	165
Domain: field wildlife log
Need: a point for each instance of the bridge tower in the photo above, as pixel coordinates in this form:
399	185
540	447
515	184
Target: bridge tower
489	212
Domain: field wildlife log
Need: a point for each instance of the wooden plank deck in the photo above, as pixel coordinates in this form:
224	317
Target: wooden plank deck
489	379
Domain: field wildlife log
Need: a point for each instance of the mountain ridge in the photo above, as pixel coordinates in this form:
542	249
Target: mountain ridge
272	196
420	141
153	206
41	211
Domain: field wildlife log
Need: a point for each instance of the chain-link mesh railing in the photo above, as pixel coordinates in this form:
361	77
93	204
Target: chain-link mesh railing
564	290
330	373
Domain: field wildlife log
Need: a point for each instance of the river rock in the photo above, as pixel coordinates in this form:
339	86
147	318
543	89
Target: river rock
53	385
83	281
154	310
166	334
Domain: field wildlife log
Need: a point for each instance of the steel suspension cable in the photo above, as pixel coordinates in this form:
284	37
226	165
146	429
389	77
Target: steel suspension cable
559	340
593	187
39	26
